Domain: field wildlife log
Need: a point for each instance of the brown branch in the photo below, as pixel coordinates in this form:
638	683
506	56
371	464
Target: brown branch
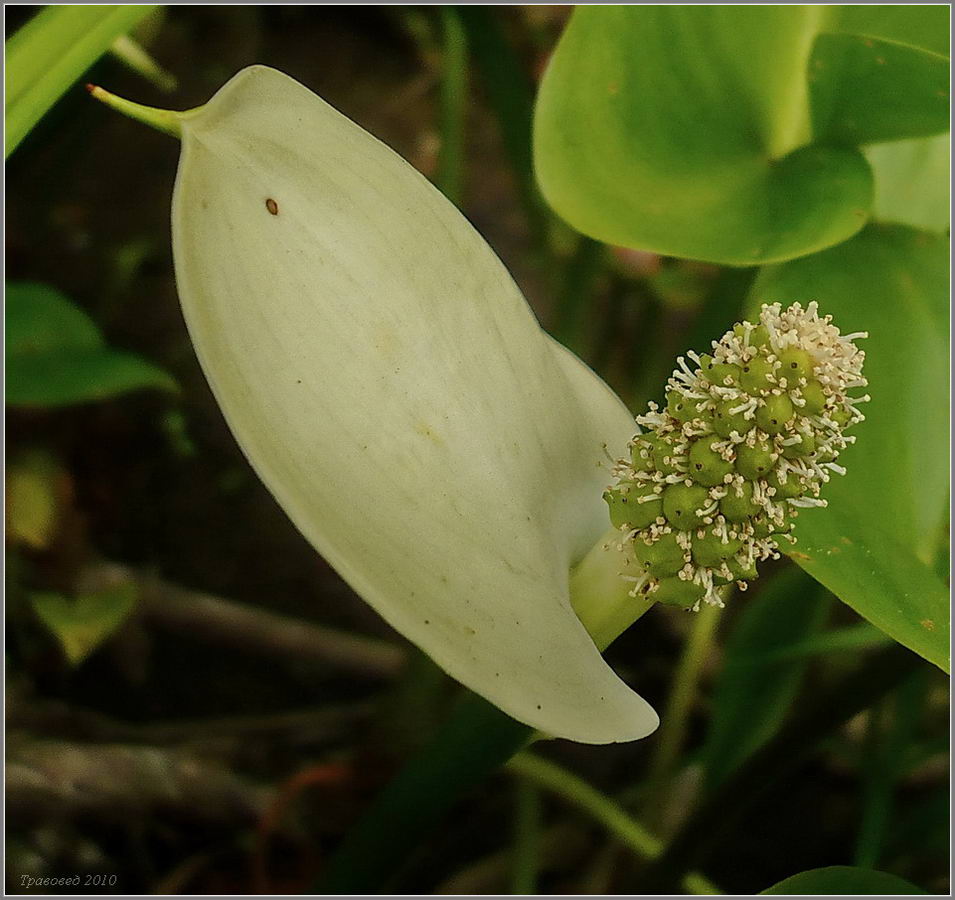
56	719
220	621
49	780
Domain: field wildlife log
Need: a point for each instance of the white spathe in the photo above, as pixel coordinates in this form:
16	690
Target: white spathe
389	384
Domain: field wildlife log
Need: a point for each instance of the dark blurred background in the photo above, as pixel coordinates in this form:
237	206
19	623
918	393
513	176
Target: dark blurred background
222	732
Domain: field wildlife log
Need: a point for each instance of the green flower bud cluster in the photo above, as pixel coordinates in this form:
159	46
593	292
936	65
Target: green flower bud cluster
749	435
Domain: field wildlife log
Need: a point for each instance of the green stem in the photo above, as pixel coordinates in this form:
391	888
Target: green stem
673	723
885	747
576	293
603	809
167	121
527	831
454	91
600	597
510	92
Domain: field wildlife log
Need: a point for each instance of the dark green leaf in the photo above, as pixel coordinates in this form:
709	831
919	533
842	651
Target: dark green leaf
56	355
674	129
40	319
845	880
865	90
861	636
916	24
752	699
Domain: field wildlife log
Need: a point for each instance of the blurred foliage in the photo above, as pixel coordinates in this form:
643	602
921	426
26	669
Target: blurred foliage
56	355
46	56
82	623
201	768
911	179
752	698
844	880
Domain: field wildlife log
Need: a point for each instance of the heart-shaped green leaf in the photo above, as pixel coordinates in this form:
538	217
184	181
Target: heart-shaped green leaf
883	525
865	90
845	881
675	129
56	355
81	625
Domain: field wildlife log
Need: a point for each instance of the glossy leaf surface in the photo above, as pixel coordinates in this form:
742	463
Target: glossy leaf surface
864	90
873	545
675	129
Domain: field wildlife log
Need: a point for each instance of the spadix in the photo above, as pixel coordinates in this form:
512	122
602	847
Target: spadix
389	384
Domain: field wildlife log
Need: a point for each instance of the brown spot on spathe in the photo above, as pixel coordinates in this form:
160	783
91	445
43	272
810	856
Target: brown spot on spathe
272	206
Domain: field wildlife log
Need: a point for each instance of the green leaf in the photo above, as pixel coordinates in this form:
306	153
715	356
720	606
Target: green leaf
675	129
865	90
871	546
42	320
912	182
919	25
880	579
81	625
861	636
845	880
56	355
33	499
51	52
752	697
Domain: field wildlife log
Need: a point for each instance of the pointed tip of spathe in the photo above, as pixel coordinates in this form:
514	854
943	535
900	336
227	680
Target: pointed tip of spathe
167	121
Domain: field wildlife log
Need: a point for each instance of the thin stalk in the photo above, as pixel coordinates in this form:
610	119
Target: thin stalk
576	292
885	748
136	57
675	719
527	838
167	121
510	92
608	332
603	809
454	95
